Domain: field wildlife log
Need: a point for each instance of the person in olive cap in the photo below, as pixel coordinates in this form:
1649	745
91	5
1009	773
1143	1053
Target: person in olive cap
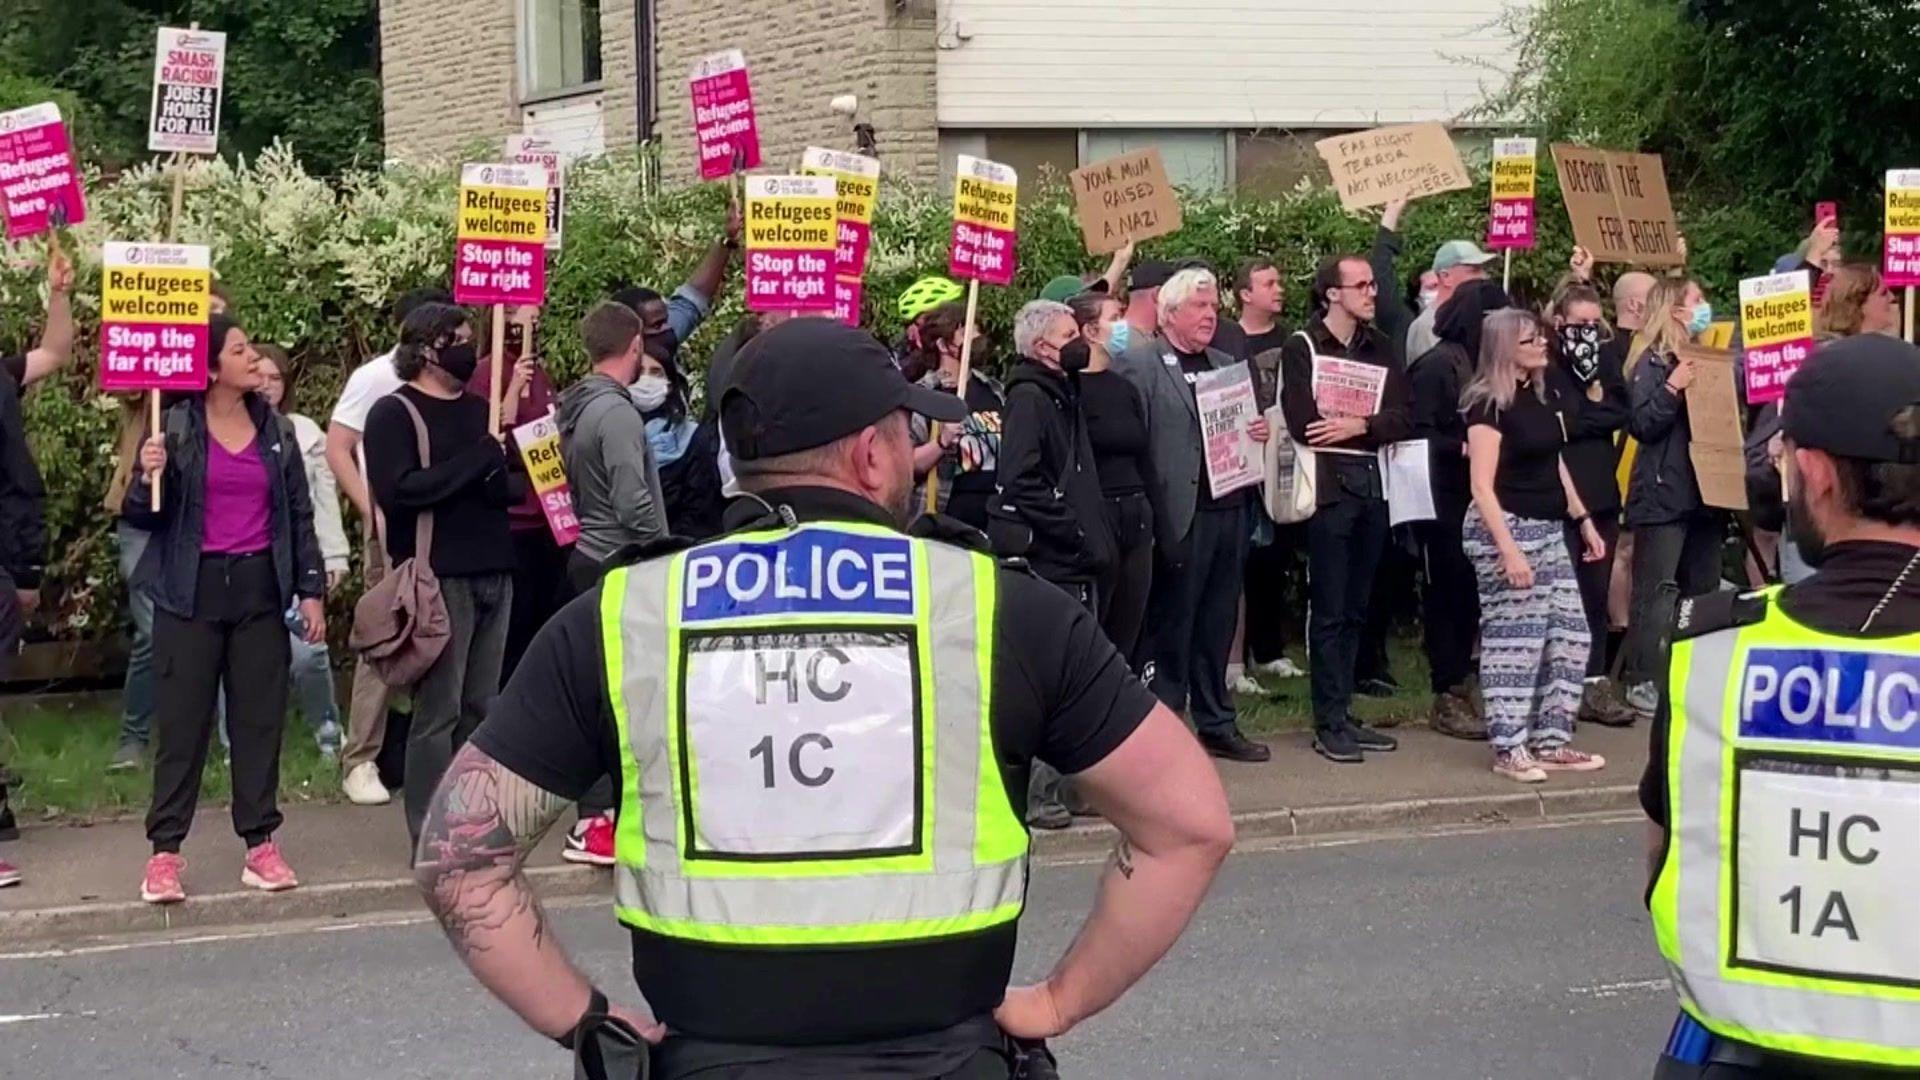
1814	708
852	710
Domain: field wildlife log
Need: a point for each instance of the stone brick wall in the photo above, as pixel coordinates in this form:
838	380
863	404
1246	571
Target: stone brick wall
801	54
447	71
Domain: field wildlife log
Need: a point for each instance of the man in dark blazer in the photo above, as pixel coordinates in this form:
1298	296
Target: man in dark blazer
1201	541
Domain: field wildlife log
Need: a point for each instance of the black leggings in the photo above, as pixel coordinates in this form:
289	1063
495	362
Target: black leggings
1124	587
1595	579
235	640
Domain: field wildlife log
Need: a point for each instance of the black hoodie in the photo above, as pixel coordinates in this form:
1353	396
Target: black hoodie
1048	509
1438	376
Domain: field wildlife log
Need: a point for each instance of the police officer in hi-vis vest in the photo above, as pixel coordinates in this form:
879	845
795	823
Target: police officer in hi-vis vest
1784	783
821	728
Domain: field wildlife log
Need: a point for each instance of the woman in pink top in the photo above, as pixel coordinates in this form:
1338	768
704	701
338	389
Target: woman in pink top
233	564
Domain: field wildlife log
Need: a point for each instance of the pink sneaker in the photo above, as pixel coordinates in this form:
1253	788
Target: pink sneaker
266	870
162	883
9	874
591	842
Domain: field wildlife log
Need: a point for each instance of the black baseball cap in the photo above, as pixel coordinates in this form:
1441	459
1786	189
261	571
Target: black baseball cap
1844	400
1150	274
809	381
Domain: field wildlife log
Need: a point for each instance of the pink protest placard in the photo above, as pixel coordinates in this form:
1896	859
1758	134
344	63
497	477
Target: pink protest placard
846	299
985	194
857	180
539	443
790	238
500	245
37	171
1900	265
1510	222
724	129
155	300
1776	329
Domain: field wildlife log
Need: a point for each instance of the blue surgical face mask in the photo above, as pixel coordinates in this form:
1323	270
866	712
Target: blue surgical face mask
1120	337
1702	318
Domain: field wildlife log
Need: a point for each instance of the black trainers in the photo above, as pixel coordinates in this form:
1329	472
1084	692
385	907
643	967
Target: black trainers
1368	739
1378	686
1234	746
1337	745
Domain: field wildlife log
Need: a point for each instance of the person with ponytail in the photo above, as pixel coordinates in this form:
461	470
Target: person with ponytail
233	564
1677	538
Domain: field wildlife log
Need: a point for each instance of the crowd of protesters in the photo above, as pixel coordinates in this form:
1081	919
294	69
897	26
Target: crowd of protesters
1566	516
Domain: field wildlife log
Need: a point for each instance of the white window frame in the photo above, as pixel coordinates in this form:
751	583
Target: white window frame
525	48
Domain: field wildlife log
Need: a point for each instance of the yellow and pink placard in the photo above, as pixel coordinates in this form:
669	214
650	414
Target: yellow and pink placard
856	180
39	179
985	194
791	237
539	443
1510	224
1900	265
1776	329
155	300
500	250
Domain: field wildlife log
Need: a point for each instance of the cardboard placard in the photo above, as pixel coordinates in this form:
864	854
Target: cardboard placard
1900	261
1619	205
1227	411
1510	223
500	246
37	172
1372	168
1713	417
856	179
533	148
1124	198
790	240
189	68
985	197
724	128
539	443
1776	329
155	300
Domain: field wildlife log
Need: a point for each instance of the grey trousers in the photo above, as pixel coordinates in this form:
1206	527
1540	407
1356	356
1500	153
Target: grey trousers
456	692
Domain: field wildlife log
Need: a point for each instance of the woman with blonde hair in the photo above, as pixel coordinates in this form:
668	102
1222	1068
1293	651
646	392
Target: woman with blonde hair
1534	640
1676	537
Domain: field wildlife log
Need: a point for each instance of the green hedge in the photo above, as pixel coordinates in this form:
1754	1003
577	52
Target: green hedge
313	264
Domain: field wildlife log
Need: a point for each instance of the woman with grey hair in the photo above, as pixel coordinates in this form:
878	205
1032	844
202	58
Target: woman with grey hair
1533	628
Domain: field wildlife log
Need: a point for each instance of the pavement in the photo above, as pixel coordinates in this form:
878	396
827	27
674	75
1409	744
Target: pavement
83	881
1446	953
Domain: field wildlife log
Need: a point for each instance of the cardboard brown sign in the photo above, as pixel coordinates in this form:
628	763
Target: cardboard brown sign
1713	415
1619	205
1371	168
1124	198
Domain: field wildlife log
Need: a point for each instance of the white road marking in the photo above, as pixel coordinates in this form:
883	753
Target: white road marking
22	1018
1619	989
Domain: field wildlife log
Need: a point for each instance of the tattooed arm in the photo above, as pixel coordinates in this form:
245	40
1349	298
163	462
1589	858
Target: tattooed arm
483	822
1161	792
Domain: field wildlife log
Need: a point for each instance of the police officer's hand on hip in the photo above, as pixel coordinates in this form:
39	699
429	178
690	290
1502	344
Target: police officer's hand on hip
821	729
1784	774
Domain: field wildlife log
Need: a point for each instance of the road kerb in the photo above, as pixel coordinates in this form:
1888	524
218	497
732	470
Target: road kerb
65	925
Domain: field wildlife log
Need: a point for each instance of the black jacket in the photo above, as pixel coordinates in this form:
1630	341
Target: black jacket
1592	452
170	569
1662	489
23	519
1342	475
1048	509
1438	376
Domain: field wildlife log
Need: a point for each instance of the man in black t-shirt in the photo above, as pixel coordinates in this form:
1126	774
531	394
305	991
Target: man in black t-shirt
816	416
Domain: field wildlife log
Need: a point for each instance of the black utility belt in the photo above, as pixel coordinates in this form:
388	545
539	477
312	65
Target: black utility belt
234	557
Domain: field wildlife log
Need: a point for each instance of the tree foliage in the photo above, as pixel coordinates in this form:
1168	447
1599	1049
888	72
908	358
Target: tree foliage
300	71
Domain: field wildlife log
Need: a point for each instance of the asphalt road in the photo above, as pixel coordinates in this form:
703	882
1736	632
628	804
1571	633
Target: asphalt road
1512	952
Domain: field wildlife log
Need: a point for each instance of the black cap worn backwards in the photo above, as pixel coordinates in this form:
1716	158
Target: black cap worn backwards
1844	400
809	381
1150	274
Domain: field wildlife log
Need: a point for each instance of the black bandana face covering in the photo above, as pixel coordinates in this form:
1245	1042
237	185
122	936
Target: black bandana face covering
1581	346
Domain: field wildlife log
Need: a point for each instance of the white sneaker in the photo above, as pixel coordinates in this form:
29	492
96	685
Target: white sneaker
1282	668
1643	698
1245	684
363	787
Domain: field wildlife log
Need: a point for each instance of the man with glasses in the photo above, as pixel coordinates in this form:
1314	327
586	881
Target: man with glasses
1344	392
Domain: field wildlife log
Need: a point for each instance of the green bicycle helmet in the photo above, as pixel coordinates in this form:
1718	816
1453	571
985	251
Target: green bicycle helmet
926	294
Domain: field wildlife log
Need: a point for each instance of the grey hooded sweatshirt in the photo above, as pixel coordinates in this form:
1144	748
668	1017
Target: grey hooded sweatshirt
610	467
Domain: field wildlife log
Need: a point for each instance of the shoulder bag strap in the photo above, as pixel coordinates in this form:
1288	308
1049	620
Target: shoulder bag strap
423	522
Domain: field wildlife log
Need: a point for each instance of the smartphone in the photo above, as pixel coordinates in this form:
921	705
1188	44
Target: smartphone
1826	211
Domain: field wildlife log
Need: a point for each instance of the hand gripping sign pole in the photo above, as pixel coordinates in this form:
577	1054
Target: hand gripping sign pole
982	249
959	386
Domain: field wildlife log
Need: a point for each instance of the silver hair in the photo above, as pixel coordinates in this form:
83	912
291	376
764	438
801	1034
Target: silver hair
1498	376
1182	286
1031	323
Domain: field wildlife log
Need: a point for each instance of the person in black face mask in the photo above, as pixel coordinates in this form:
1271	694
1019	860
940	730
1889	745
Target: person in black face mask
461	487
1049	510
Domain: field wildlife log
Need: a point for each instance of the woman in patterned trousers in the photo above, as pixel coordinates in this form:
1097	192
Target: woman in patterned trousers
1533	628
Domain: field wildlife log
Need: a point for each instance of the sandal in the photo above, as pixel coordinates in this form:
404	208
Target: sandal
1518	766
1567	759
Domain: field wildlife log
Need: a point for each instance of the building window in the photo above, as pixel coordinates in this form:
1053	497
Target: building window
1195	159
560	46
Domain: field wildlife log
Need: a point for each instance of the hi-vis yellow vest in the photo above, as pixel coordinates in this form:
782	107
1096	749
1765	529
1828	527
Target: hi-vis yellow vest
804	717
1788	907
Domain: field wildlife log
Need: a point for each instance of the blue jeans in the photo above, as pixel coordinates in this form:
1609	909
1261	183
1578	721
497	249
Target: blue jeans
136	719
311	673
